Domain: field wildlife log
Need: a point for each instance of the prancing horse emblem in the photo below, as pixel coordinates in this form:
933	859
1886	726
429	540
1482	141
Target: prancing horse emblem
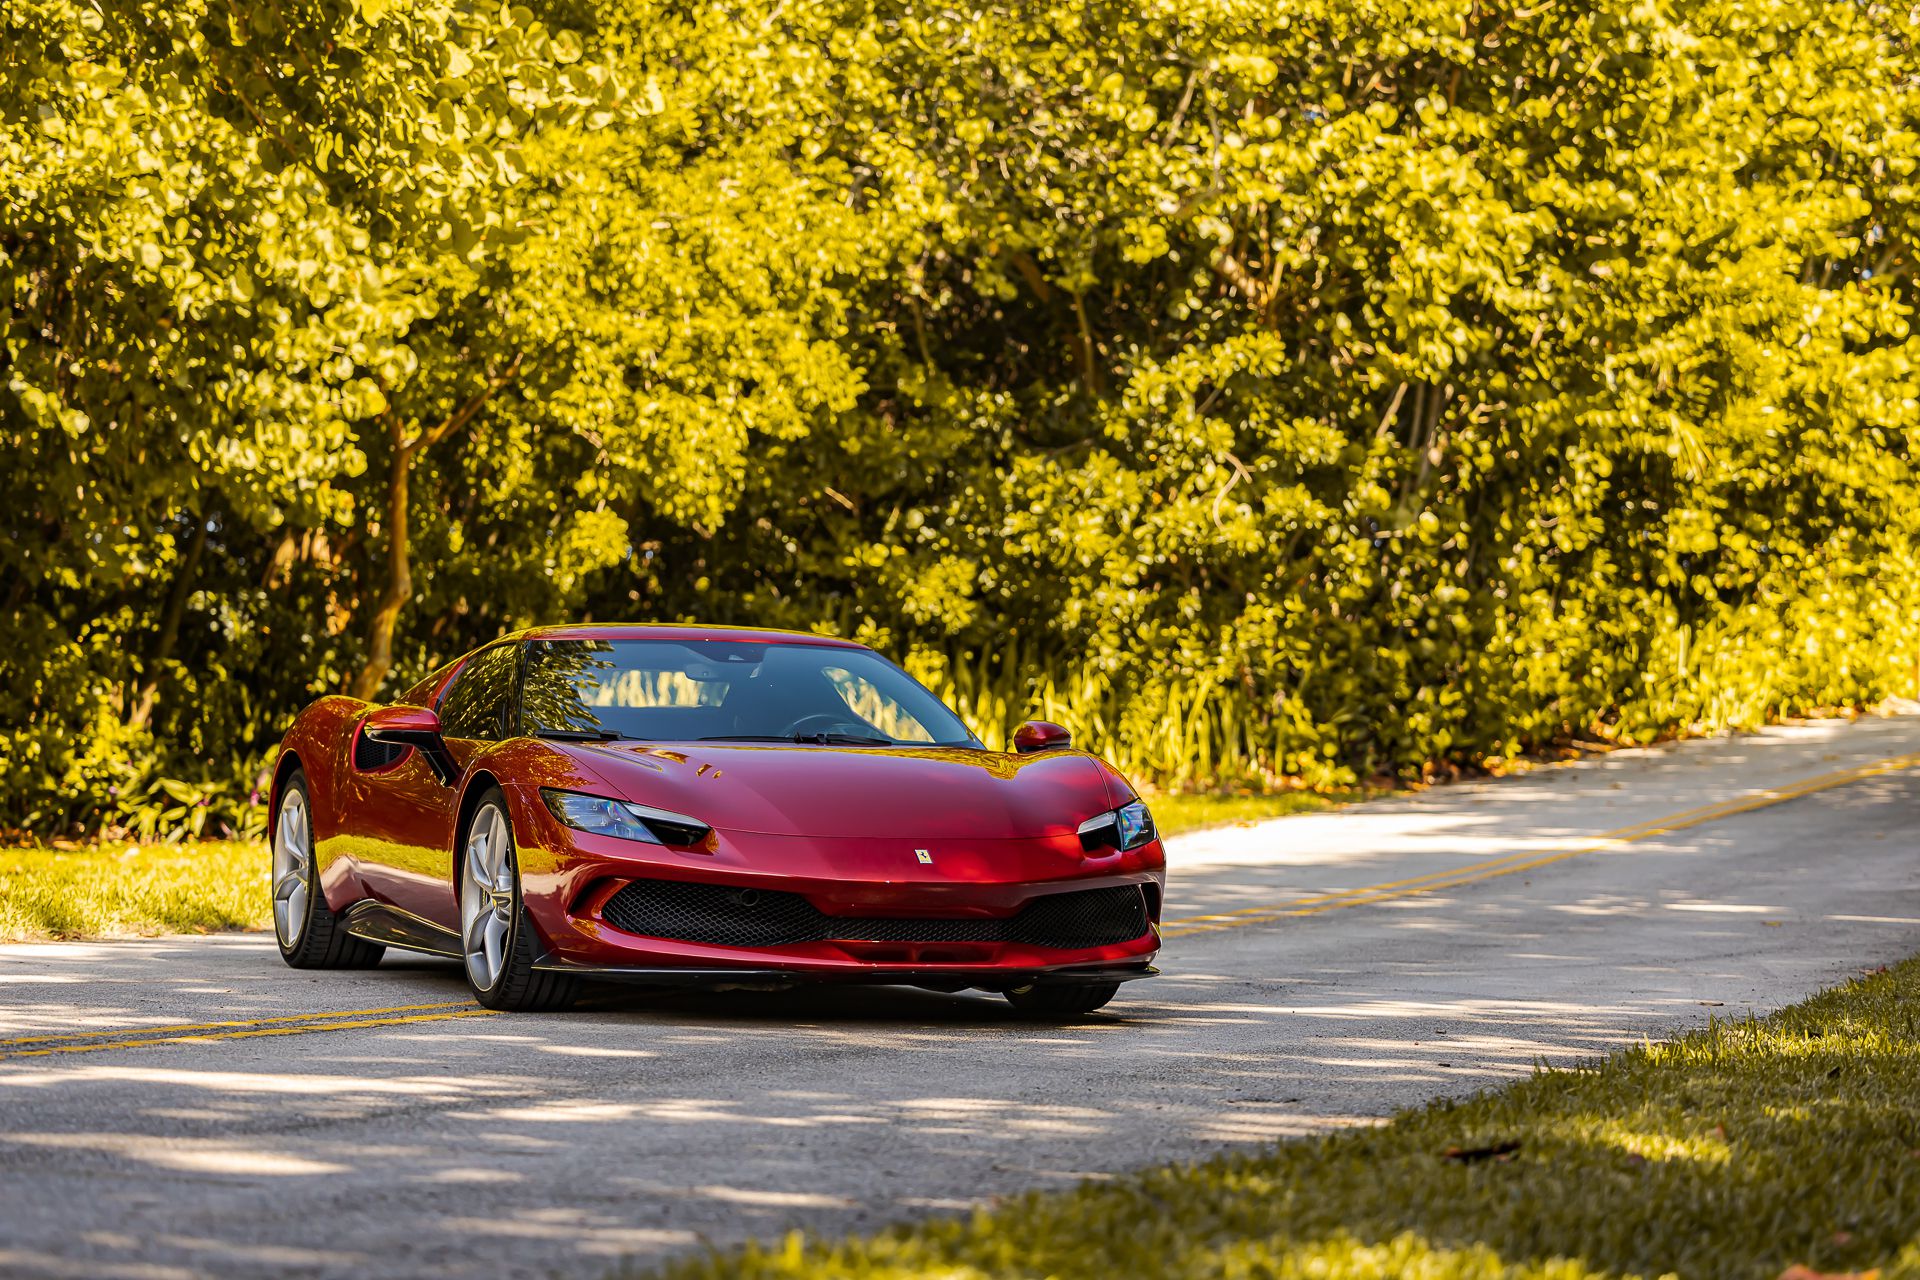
924	856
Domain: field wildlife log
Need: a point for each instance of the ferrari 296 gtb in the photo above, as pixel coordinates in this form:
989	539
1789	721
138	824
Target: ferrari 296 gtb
713	806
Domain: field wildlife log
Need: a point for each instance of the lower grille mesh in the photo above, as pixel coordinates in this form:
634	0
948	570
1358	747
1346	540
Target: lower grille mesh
722	916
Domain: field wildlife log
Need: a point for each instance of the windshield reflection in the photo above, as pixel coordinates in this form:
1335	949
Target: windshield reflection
729	691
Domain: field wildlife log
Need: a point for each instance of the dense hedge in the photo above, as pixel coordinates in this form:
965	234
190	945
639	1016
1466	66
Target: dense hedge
1317	389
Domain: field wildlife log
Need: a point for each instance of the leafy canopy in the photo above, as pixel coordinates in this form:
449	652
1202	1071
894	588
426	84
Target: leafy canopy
1321	392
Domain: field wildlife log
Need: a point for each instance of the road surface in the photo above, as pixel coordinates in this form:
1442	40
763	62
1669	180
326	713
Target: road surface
1321	971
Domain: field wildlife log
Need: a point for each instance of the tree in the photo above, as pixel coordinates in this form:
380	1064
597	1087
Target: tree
1369	388
221	224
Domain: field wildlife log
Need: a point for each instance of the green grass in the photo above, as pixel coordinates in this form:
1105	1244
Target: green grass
1176	812
1742	1151
123	889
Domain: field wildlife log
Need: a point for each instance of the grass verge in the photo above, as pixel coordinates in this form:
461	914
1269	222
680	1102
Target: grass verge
48	894
1783	1148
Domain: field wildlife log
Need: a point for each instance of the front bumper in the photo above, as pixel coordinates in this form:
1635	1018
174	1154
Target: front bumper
569	878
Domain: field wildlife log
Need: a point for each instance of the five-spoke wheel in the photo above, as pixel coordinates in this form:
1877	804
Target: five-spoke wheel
310	935
487	897
495	934
292	866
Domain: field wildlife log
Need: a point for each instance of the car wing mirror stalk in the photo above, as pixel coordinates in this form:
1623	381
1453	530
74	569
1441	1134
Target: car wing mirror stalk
416	727
1040	735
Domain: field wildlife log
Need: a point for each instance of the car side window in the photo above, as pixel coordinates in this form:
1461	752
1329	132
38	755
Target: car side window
476	706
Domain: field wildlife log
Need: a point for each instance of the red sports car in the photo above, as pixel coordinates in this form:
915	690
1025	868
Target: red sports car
717	806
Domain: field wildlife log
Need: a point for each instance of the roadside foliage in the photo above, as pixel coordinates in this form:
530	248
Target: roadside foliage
1311	391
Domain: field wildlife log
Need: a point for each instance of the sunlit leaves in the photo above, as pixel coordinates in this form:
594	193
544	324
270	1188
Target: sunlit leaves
1320	390
222	231
1417	383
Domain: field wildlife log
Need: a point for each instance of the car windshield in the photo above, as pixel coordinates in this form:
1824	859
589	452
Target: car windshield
713	690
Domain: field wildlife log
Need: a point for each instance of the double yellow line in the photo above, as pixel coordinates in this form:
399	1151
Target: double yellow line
1472	873
295	1024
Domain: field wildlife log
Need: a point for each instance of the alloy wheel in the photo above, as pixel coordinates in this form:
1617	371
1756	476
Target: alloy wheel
487	897
292	868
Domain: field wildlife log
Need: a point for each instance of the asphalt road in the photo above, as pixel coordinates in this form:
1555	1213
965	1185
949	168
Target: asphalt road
1320	971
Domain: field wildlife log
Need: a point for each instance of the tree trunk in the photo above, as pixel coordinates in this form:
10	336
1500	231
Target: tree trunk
386	616
399	574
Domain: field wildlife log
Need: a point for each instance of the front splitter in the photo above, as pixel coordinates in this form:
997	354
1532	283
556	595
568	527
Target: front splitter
947	979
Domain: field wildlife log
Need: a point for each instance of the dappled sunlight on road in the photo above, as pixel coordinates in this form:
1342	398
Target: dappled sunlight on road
569	1231
950	1094
648	1121
330	1086
1422	832
185	1155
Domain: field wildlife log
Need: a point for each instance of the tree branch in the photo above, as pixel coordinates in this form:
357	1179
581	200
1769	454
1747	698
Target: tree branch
464	414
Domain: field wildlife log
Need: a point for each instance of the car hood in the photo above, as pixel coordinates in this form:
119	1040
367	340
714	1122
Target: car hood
859	792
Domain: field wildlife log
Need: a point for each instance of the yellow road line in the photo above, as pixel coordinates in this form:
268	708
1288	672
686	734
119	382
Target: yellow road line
1507	865
53	1036
1502	864
250	1034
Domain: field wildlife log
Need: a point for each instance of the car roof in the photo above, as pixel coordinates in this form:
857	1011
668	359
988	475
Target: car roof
679	631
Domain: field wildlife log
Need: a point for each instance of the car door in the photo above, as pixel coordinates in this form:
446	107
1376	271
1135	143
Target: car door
406	813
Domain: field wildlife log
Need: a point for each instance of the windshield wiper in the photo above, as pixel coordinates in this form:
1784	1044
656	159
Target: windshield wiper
580	735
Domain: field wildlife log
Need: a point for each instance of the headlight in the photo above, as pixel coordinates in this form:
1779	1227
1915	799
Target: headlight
1127	827
624	819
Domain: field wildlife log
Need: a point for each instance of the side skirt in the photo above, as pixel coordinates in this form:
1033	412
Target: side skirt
378	922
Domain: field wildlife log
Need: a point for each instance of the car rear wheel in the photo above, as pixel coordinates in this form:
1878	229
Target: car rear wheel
1062	999
495	933
310	935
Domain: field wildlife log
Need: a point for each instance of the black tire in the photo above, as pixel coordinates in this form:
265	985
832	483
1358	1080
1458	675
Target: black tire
1062	999
309	933
516	987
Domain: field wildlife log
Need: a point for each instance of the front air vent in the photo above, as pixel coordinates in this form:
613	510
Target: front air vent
725	916
370	756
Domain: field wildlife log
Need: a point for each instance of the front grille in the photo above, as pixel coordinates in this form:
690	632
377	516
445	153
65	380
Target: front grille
723	916
713	913
1090	918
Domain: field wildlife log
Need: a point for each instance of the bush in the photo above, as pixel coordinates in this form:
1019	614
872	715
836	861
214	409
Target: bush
1391	385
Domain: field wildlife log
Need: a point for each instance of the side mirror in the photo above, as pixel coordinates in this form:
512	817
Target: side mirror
404	727
417	727
1039	735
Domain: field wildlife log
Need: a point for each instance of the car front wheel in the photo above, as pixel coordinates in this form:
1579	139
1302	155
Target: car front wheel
496	936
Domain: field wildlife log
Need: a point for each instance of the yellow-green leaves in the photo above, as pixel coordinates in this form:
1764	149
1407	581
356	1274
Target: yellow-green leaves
1322	390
